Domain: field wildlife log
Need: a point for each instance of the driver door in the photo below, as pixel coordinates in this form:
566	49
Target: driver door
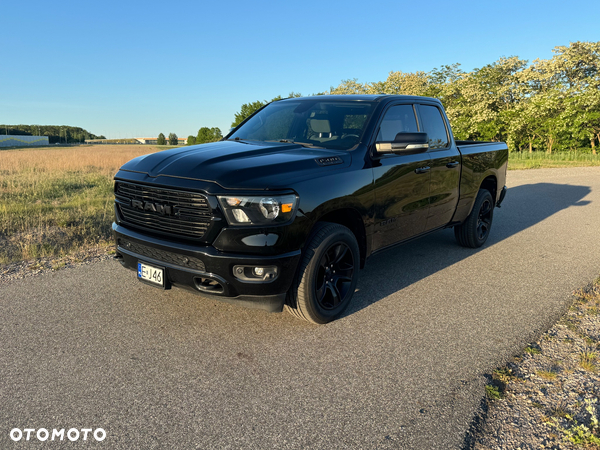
401	183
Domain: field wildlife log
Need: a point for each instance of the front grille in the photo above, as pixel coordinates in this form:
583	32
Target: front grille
162	255
168	211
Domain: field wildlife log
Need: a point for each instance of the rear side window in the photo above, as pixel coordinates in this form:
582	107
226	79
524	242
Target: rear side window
397	119
434	126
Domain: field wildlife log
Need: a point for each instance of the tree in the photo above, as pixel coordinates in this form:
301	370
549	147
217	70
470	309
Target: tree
206	134
405	84
203	135
581	117
55	133
216	134
161	139
487	96
191	140
550	105
564	93
349	87
173	139
248	109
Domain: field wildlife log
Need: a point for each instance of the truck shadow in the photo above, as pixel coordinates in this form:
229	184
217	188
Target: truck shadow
394	269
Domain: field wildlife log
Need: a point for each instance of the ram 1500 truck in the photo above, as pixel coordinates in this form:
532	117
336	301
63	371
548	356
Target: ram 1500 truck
290	204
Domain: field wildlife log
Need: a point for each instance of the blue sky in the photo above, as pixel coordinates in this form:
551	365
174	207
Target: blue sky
132	69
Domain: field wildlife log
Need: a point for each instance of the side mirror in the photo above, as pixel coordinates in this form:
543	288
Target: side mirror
405	143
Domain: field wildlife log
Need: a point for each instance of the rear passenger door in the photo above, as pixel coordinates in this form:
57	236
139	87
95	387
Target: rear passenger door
445	167
401	182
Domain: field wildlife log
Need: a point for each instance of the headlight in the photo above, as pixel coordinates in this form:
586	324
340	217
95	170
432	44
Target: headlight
262	210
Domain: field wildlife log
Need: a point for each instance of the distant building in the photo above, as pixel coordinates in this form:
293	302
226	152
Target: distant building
154	140
112	141
22	141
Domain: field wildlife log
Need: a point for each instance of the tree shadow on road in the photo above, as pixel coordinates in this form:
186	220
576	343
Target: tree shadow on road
394	269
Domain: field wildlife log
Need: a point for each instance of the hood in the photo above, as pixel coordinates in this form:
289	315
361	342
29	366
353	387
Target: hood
240	165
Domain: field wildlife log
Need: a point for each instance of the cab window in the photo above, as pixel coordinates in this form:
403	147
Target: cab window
397	119
434	126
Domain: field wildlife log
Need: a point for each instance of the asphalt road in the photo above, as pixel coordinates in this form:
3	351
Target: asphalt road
91	347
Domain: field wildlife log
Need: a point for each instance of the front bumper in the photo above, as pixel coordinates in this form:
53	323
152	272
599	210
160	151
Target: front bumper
207	271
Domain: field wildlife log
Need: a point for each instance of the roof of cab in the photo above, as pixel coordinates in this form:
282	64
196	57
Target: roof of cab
360	97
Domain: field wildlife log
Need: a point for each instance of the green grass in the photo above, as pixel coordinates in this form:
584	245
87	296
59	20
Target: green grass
532	350
493	392
56	201
542	160
587	361
547	374
585	436
58	214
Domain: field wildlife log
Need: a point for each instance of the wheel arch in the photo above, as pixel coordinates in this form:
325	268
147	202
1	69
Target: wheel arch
351	219
491	184
468	194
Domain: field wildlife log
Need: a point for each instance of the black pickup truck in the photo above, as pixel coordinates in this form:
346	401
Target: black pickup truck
291	203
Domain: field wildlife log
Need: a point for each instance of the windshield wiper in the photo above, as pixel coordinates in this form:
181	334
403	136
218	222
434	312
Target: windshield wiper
306	144
289	141
237	139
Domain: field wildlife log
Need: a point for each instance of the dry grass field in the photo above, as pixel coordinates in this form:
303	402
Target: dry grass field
54	201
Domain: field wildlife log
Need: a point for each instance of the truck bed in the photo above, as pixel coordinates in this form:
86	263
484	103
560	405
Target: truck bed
479	160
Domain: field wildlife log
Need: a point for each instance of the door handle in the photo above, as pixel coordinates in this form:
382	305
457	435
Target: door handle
452	165
422	169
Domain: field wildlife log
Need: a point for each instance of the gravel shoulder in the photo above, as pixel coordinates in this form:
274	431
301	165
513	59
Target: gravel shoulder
548	397
23	269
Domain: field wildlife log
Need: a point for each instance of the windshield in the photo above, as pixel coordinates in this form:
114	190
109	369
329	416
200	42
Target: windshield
313	123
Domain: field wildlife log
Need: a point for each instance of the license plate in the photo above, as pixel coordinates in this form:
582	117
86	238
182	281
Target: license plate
152	274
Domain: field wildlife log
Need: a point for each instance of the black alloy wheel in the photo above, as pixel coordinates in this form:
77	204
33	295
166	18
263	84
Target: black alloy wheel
327	274
484	219
475	230
334	278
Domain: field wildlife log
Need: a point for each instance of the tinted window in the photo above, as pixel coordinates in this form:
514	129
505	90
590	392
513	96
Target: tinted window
433	125
313	122
354	122
397	119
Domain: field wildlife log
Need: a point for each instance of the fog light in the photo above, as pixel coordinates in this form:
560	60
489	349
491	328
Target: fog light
252	274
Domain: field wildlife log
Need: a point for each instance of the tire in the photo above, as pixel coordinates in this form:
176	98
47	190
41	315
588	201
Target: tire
474	231
326	276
